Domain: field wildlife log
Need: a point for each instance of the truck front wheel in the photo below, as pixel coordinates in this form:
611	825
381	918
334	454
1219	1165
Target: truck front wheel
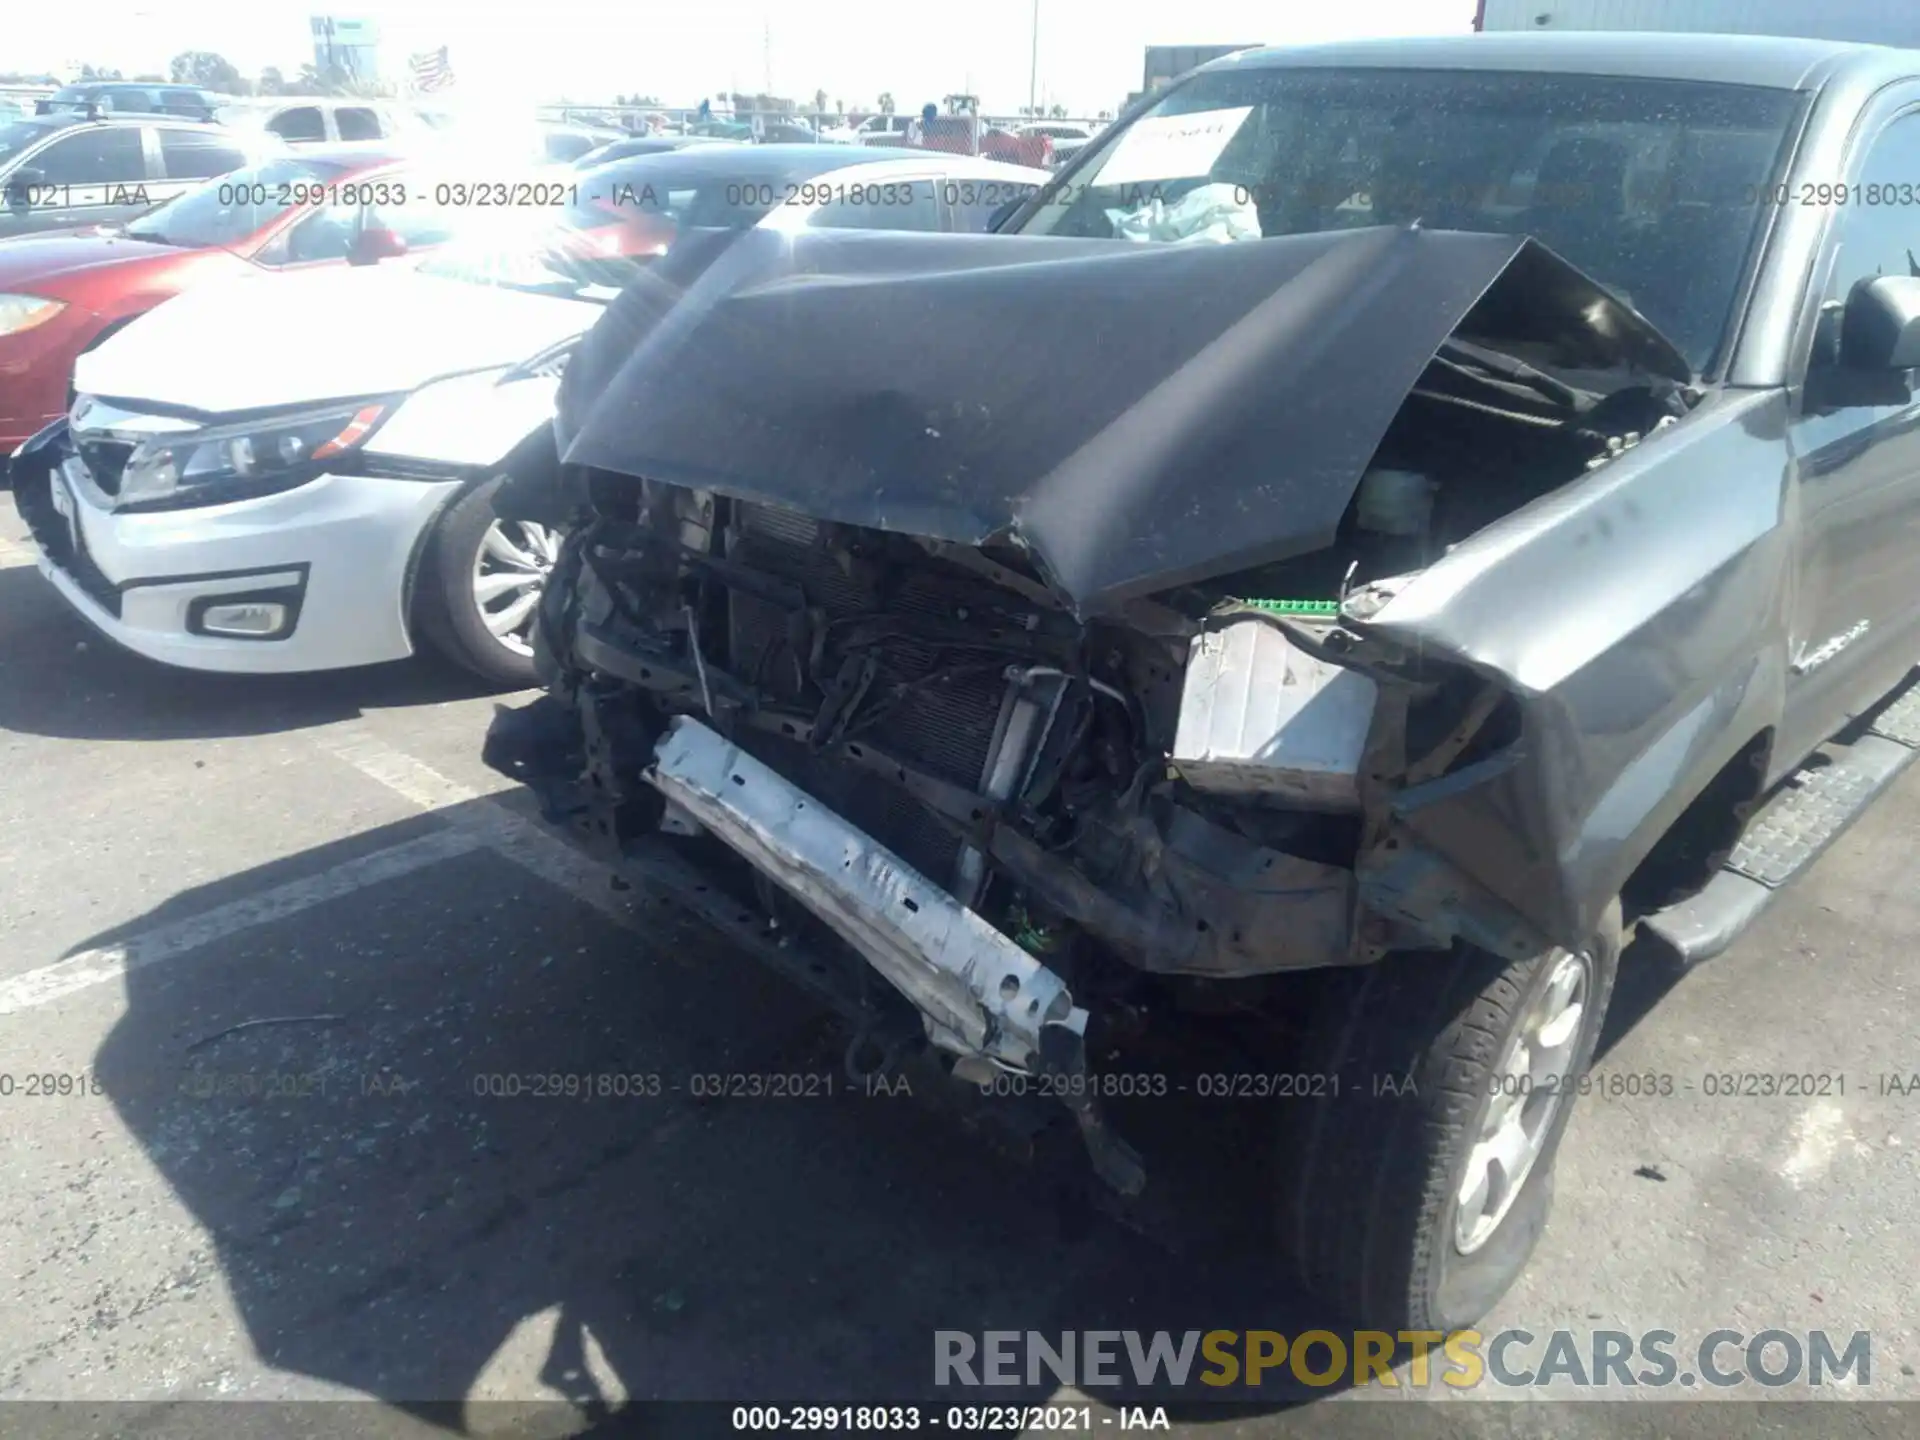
1414	1189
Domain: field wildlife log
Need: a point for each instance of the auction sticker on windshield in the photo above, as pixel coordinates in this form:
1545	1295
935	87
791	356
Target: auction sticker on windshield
1172	147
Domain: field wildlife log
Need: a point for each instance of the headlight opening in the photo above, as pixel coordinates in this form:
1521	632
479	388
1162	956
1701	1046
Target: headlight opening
247	457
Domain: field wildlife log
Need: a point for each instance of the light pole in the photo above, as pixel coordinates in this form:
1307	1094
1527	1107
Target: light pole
1033	73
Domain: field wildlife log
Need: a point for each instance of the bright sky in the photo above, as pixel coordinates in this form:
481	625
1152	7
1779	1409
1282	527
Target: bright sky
1089	50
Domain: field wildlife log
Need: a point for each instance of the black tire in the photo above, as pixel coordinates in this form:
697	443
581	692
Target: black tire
444	612
1370	1181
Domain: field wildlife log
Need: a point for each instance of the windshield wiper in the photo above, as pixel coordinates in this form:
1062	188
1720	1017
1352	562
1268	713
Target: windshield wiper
1507	371
152	237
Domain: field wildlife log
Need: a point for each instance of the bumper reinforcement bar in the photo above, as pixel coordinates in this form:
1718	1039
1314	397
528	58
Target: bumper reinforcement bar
981	995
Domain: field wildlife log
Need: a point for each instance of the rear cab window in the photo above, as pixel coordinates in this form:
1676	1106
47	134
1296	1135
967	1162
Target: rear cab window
356	122
298	124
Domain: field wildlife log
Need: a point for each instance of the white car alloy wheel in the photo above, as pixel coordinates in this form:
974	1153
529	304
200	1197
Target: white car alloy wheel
1528	1085
510	572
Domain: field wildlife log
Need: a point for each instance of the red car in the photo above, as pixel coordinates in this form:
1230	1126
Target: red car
62	292
1030	149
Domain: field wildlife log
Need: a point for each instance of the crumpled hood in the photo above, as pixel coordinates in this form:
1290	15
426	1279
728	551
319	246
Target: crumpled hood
272	340
1137	416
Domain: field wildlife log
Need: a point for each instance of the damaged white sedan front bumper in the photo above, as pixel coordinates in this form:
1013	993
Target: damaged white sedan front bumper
981	995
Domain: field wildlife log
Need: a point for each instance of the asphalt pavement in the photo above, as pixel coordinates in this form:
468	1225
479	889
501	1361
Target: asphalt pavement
276	949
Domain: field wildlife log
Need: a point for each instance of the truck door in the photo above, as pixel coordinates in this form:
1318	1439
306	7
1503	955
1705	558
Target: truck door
1856	611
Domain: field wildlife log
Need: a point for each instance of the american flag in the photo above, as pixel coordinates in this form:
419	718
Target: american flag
431	70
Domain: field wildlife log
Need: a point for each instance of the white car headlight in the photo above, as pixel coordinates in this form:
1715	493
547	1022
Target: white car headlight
23	312
250	457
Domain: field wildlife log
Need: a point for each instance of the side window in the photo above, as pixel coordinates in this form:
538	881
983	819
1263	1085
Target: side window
418	223
127	97
881	205
975	201
302	122
357	123
190	155
1882	238
326	234
95	157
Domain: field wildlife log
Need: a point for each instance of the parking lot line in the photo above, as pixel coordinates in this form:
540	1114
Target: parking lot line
88	968
527	844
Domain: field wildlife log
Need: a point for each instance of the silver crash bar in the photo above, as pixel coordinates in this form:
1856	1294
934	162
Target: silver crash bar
981	994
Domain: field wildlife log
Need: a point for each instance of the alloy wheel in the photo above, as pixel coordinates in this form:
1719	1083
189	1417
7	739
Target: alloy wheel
1528	1086
510	572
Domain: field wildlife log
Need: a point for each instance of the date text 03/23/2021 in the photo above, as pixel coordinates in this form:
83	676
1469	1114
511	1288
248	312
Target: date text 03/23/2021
954	1419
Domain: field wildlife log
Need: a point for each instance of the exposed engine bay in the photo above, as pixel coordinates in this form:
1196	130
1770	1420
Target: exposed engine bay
1006	800
1183	786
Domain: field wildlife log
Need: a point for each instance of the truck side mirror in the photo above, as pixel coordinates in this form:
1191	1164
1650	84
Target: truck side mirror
1880	327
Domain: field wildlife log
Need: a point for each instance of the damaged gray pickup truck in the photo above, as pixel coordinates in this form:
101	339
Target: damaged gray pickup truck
1508	541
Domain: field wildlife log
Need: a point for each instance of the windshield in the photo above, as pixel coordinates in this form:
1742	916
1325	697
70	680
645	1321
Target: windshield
618	219
1650	186
17	136
226	210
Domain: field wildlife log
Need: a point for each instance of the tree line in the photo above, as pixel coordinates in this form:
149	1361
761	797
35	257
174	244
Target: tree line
213	71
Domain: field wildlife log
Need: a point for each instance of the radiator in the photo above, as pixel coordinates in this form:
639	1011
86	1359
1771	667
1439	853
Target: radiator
948	729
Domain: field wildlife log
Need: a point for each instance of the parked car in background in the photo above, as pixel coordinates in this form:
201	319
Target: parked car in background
63	170
1064	140
345	434
722	129
309	120
883	130
641	145
63	292
491	145
564	144
771	130
113	97
1018	148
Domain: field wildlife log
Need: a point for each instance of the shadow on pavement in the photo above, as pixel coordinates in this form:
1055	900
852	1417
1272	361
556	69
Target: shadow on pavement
395	1208
1648	974
60	678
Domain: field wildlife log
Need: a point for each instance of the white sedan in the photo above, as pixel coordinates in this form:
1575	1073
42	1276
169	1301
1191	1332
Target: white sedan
298	472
